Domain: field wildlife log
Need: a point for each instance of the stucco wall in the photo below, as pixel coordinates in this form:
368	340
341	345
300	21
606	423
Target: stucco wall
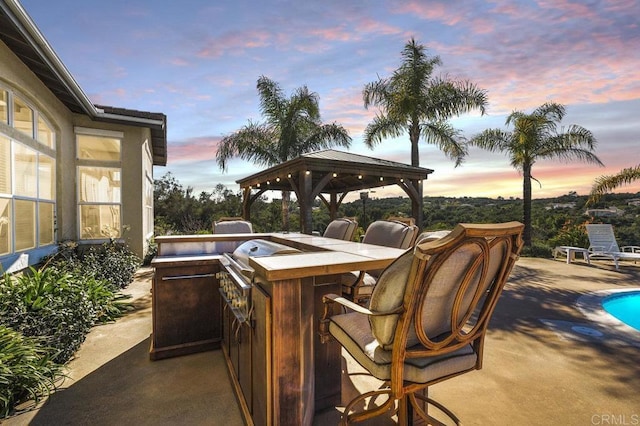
17	77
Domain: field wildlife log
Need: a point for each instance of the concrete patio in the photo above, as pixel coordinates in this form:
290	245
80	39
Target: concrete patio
546	362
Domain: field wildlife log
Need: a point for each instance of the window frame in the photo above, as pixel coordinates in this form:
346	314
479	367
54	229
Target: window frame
95	163
19	140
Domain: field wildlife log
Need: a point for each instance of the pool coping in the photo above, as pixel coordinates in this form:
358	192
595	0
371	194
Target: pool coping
590	305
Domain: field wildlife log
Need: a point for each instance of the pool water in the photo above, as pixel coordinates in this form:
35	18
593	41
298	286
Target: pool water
625	307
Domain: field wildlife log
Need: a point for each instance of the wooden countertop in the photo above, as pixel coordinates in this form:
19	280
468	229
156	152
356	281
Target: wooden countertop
337	257
320	256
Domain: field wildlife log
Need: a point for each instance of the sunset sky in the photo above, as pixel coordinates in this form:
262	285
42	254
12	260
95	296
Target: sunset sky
198	61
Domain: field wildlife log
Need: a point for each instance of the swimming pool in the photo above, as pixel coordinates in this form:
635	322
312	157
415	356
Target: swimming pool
625	307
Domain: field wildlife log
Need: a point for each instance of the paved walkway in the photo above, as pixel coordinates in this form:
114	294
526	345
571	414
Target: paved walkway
546	363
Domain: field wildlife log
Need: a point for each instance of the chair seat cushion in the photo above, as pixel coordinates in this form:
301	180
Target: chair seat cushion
353	332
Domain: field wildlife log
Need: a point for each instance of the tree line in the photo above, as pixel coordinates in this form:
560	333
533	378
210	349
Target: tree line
179	211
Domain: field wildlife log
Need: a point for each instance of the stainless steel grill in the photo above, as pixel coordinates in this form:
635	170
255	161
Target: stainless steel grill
236	277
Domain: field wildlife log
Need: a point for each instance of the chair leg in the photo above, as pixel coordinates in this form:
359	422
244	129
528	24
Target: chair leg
405	413
420	402
386	407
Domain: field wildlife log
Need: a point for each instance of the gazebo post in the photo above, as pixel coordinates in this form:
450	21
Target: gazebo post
333	206
246	203
417	207
306	188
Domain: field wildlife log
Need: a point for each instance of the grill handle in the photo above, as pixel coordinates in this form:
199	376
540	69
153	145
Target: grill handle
187	277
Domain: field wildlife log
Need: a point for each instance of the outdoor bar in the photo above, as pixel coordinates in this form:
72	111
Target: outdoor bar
261	310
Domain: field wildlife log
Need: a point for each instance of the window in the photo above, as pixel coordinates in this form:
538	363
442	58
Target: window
46	223
25	224
147	188
25	171
5	226
27	177
4	103
5	165
99	183
98	148
46	177
45	133
22	116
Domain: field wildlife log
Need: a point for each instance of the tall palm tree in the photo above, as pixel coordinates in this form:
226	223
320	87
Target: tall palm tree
292	127
604	184
414	101
536	137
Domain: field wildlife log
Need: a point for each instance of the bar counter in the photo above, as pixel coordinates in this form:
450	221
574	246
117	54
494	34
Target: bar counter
291	374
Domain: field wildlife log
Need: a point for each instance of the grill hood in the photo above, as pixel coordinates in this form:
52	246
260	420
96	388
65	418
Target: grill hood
260	248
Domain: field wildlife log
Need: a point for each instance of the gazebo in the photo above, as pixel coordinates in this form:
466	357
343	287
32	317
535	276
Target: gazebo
331	175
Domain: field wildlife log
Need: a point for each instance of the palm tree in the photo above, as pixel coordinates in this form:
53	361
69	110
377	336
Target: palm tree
292	127
535	137
414	101
605	184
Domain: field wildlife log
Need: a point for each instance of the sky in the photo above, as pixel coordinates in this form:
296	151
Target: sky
198	61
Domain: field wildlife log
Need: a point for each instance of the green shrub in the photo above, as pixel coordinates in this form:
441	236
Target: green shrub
50	305
107	304
152	251
59	307
27	371
571	234
112	262
536	250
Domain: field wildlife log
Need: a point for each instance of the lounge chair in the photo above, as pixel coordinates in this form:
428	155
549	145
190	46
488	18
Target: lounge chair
603	245
427	319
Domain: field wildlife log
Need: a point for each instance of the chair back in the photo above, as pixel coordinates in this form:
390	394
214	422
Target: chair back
448	293
427	236
391	233
602	238
407	220
341	229
230	225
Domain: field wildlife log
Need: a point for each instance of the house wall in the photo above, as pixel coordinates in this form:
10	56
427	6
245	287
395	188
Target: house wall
19	78
132	182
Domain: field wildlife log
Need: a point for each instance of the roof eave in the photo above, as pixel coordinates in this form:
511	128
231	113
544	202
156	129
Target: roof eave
27	29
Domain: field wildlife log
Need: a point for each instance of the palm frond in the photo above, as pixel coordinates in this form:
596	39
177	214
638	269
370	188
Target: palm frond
375	93
607	183
380	128
551	111
449	98
272	99
252	142
326	136
494	140
447	139
577	143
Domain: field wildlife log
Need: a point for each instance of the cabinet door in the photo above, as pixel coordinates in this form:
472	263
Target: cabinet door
244	361
186	308
261	356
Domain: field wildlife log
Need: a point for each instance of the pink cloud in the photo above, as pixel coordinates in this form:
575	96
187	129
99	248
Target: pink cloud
179	62
193	149
368	25
338	33
430	10
233	42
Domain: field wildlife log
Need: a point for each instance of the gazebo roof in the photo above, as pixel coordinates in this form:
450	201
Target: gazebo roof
335	173
342	171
